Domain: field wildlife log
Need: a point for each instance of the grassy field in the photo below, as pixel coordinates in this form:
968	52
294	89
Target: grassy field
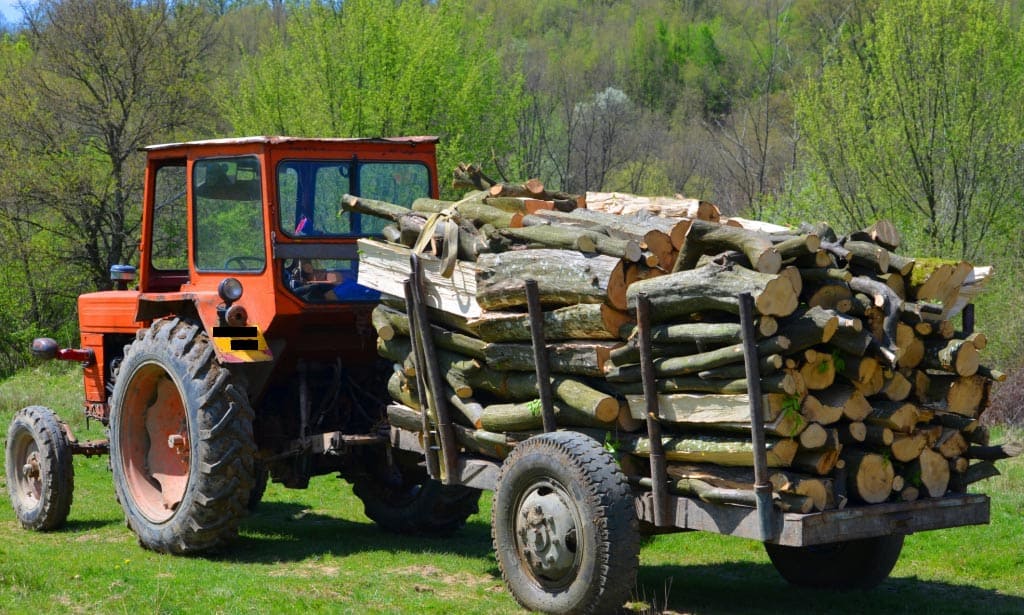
315	551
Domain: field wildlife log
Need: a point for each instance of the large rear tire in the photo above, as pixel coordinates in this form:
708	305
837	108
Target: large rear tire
40	474
843	566
564	526
181	441
404	500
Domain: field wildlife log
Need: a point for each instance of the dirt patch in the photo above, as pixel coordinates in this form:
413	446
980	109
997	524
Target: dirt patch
460	580
306	570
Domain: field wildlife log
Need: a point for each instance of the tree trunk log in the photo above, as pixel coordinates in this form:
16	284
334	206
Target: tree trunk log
526	416
707	238
869	475
581	321
714	288
583	358
932	470
716	449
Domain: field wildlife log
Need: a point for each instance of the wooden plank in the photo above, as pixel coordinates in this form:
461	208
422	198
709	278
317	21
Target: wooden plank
385	267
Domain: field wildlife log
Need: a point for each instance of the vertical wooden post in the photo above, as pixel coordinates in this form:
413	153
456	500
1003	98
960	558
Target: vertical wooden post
762	488
659	476
435	383
430	449
540	355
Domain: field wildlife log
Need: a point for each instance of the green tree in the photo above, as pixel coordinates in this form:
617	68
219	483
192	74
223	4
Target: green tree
381	68
916	118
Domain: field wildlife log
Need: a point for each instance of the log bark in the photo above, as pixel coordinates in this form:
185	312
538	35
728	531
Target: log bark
475	210
957	356
718	450
625	204
580	321
390	323
715	288
485	443
868	255
526	416
707	238
564	277
583	358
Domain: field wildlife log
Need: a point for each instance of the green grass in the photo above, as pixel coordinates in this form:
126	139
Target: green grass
314	551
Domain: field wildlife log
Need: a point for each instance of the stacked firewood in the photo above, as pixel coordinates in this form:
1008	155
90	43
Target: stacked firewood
869	392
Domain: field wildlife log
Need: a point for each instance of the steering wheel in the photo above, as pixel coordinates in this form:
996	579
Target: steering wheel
239	263
314	292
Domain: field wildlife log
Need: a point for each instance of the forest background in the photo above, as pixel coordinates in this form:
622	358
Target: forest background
847	111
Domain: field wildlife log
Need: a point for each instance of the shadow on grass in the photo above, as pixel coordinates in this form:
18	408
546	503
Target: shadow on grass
84	525
279	532
744	587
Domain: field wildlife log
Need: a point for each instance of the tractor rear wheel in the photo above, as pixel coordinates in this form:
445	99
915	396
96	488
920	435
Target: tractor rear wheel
40	475
181	440
407	501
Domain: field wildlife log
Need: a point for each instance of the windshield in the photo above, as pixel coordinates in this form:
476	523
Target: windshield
309	196
310	191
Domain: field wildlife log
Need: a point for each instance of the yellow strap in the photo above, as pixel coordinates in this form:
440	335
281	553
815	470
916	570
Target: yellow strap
450	251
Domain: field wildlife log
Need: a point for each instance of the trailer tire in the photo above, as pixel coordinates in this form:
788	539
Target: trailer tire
408	501
564	526
40	473
181	440
843	566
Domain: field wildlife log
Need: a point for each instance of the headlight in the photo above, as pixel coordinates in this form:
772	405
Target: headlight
230	290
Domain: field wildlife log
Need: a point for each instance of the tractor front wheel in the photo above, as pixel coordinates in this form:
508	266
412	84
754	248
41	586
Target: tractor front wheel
181	441
40	475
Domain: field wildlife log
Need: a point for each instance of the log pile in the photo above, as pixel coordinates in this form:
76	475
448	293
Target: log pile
870	393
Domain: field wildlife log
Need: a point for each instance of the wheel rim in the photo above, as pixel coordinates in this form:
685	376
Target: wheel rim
27	462
547	529
154	442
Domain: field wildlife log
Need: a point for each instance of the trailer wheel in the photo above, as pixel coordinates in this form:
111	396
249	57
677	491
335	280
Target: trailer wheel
843	566
407	501
564	526
40	475
181	441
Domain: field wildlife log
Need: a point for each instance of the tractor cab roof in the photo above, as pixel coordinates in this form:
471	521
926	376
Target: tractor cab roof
281	140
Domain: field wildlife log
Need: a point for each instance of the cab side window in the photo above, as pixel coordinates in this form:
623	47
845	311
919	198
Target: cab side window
169	248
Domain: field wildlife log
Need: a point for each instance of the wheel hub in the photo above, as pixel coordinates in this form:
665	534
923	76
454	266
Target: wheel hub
547	534
31	468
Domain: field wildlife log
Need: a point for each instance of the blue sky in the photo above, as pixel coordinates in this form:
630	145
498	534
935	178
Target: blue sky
10	11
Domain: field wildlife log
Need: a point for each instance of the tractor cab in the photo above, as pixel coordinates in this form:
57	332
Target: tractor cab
259	218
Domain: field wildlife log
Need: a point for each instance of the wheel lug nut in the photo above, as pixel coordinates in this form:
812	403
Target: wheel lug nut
175	440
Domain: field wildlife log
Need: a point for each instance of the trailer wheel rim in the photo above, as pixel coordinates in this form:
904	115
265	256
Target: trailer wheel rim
154	438
547	530
28	469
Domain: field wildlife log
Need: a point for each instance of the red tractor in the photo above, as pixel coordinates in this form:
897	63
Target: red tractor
245	348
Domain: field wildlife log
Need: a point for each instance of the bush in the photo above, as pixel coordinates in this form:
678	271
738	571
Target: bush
1007	402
